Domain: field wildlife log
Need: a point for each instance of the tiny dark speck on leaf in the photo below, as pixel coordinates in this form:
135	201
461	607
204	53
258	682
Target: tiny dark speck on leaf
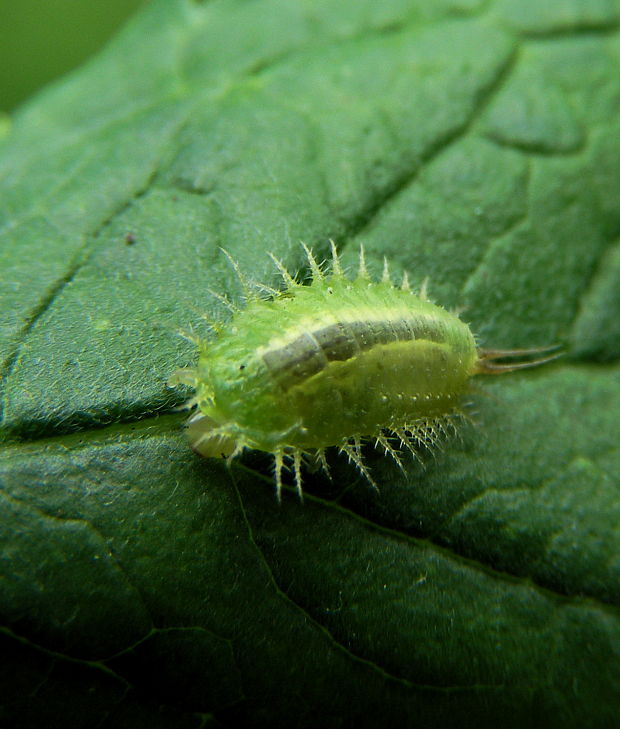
130	239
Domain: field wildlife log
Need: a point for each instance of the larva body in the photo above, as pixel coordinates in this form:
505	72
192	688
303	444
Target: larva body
330	364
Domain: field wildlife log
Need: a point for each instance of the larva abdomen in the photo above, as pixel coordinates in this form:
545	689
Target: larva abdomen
393	381
394	360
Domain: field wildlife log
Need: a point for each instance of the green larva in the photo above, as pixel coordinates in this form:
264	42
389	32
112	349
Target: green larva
331	364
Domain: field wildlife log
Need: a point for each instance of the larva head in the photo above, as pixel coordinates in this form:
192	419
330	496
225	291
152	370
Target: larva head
205	438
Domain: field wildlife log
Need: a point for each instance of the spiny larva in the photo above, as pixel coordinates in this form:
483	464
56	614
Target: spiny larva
331	364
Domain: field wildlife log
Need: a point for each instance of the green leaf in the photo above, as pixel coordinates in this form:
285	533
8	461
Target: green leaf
474	143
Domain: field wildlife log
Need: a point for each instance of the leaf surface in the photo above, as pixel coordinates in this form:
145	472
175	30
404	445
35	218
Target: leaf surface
474	143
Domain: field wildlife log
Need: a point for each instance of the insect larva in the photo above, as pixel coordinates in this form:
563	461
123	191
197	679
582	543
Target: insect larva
331	364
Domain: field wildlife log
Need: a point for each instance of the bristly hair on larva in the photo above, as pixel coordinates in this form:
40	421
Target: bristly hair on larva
334	363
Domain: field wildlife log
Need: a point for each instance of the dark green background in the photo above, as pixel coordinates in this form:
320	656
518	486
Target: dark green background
476	143
40	40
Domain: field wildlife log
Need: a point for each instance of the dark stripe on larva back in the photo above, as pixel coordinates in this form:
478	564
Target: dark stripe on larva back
311	352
